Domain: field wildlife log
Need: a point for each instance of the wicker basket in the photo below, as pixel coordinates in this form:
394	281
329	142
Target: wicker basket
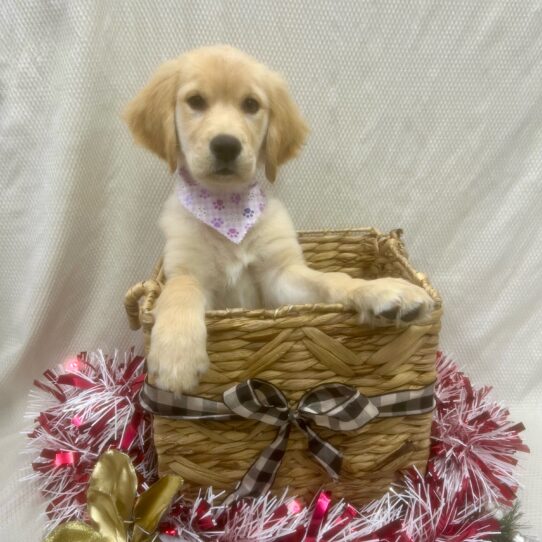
297	348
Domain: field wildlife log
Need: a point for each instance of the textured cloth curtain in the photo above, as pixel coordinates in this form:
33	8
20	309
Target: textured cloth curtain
425	115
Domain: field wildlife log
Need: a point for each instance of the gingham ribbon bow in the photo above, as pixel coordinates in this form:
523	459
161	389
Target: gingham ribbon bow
334	406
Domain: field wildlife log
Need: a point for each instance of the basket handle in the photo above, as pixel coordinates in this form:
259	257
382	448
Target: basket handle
393	242
150	289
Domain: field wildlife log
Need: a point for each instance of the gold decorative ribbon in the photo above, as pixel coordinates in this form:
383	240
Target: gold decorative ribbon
117	514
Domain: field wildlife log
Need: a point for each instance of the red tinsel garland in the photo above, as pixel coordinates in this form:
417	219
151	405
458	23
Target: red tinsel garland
83	407
89	405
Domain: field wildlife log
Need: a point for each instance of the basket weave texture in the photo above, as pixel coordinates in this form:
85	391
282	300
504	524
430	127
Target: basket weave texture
298	348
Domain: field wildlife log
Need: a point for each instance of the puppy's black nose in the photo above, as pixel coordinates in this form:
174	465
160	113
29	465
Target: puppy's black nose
225	147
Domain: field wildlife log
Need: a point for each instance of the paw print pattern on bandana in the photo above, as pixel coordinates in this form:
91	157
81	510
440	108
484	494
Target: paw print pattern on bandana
231	214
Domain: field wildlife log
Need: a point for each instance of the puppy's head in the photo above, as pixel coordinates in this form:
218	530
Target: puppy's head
219	113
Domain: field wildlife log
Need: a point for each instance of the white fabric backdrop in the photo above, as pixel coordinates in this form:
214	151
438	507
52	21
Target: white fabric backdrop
425	115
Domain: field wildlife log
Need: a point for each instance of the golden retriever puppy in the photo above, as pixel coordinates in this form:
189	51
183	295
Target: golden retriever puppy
215	115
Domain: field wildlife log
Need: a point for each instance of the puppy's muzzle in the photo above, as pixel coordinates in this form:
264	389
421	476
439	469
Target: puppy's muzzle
225	149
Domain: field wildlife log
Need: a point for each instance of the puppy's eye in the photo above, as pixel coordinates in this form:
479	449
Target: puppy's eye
197	102
250	105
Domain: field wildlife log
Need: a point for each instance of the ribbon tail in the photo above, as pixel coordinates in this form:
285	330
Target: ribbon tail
260	476
325	453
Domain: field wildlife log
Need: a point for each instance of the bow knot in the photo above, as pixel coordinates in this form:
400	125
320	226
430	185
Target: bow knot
334	406
293	415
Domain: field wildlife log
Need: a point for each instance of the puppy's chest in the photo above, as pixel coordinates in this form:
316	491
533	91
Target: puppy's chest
237	284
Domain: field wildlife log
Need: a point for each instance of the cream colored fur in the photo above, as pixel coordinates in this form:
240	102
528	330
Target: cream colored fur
206	271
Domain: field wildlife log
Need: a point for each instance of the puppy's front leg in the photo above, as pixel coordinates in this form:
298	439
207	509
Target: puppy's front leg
178	354
376	301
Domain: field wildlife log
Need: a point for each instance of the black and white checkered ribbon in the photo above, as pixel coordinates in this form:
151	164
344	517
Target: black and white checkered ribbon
334	406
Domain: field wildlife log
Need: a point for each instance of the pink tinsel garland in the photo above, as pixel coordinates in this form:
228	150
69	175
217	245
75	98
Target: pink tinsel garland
89	404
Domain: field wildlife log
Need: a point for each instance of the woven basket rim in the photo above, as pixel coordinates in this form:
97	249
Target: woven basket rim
291	310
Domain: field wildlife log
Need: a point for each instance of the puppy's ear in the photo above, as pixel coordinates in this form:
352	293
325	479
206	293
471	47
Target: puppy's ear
287	130
151	114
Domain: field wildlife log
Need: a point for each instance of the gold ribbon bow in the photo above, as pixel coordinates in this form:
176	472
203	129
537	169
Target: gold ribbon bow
112	505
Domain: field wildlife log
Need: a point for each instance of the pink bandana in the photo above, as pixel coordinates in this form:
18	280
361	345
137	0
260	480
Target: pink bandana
230	213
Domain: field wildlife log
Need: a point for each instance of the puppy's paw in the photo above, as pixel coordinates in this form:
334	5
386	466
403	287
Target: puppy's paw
391	300
178	355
